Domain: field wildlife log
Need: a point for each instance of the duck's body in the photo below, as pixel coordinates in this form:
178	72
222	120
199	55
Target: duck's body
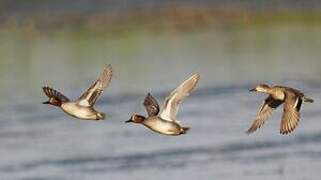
163	126
292	100
81	112
83	107
164	120
277	92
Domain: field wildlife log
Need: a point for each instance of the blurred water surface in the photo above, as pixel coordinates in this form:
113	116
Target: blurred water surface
40	142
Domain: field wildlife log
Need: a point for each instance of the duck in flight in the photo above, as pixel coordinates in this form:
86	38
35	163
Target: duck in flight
83	107
277	95
164	120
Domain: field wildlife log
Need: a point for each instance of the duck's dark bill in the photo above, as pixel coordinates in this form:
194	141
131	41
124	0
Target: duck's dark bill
46	102
252	90
128	121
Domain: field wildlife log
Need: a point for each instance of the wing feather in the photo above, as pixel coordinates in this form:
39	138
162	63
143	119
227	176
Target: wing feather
269	105
89	97
172	101
151	105
291	112
51	93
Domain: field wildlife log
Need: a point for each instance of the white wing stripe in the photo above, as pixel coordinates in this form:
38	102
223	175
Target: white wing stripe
173	100
166	113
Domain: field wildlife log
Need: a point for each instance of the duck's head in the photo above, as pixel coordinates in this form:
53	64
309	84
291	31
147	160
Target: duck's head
53	101
136	118
261	88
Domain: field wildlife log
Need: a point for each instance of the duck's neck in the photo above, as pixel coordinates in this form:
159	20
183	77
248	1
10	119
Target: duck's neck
266	90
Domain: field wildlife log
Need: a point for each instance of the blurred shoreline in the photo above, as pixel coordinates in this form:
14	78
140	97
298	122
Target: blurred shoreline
160	19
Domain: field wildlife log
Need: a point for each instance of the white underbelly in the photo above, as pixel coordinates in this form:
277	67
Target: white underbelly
163	127
78	112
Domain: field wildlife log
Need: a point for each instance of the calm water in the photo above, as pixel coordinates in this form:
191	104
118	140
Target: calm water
40	142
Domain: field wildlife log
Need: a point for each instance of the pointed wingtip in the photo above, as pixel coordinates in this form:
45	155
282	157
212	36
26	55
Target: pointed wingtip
108	66
252	129
45	89
148	95
248	132
196	76
284	133
108	69
105	77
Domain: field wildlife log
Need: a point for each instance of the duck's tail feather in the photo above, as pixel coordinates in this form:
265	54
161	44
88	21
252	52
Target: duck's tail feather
185	129
309	100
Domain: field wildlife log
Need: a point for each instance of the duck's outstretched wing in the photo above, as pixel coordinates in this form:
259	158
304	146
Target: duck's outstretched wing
51	93
265	112
151	105
291	112
172	101
90	97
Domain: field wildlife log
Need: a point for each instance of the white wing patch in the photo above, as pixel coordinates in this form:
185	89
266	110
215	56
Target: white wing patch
166	113
171	104
89	97
296	102
84	103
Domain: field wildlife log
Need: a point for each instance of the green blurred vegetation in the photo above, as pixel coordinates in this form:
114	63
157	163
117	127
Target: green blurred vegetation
156	21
